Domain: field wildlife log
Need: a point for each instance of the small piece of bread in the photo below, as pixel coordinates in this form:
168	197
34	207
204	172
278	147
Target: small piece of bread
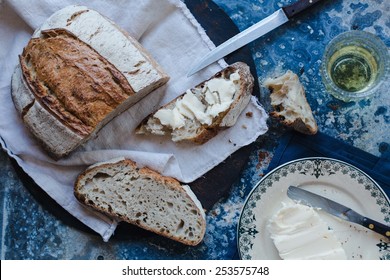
290	104
143	197
202	111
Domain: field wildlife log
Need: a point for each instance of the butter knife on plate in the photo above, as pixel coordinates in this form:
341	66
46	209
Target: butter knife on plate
257	30
308	198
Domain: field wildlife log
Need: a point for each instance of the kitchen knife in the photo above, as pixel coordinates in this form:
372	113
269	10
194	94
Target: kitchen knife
257	30
305	197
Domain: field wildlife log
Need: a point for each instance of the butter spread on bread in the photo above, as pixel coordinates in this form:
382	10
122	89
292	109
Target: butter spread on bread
218	94
198	114
77	73
290	105
143	197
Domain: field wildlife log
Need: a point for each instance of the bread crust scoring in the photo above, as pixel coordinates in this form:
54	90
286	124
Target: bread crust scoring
76	74
71	80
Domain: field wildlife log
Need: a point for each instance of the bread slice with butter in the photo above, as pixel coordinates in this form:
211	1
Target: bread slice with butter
288	98
143	197
202	111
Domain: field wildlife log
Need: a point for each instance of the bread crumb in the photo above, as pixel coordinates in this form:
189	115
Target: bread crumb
231	142
244	126
249	114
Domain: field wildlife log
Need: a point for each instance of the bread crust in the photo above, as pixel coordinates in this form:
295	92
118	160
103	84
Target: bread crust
224	119
93	87
288	99
40	123
65	98
113	43
298	124
169	183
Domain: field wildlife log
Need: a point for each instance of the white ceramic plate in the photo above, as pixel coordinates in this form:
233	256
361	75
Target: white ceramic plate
332	178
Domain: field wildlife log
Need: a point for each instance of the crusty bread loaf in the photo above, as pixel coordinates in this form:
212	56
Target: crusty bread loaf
143	197
206	98
289	101
77	73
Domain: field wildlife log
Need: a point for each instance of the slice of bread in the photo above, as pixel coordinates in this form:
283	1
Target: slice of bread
289	101
143	197
202	111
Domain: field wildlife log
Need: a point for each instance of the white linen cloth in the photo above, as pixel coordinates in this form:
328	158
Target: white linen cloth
175	39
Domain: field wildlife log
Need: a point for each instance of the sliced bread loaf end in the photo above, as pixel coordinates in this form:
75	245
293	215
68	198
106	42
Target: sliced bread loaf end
143	197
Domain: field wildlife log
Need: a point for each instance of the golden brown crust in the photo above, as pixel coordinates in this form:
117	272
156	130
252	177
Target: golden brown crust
71	80
64	119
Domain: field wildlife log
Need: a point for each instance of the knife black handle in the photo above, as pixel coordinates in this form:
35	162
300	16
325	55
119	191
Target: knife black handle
297	7
376	226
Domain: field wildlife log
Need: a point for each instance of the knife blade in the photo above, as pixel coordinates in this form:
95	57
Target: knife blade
308	198
257	30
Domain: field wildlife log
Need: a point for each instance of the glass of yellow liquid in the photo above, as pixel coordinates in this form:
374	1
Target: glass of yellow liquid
355	65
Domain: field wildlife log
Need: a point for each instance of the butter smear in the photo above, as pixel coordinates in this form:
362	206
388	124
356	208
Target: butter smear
218	96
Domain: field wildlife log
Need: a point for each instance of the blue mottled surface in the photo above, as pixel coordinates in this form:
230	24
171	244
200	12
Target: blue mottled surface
30	232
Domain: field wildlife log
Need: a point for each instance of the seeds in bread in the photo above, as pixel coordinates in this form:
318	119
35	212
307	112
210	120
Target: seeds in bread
143	197
289	101
202	111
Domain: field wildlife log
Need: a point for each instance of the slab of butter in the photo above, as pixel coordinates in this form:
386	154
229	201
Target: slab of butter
298	232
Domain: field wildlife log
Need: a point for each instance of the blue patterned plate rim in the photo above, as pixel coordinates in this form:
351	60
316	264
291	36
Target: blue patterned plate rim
324	174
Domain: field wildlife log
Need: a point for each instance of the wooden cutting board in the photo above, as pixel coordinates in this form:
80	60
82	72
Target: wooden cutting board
214	185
